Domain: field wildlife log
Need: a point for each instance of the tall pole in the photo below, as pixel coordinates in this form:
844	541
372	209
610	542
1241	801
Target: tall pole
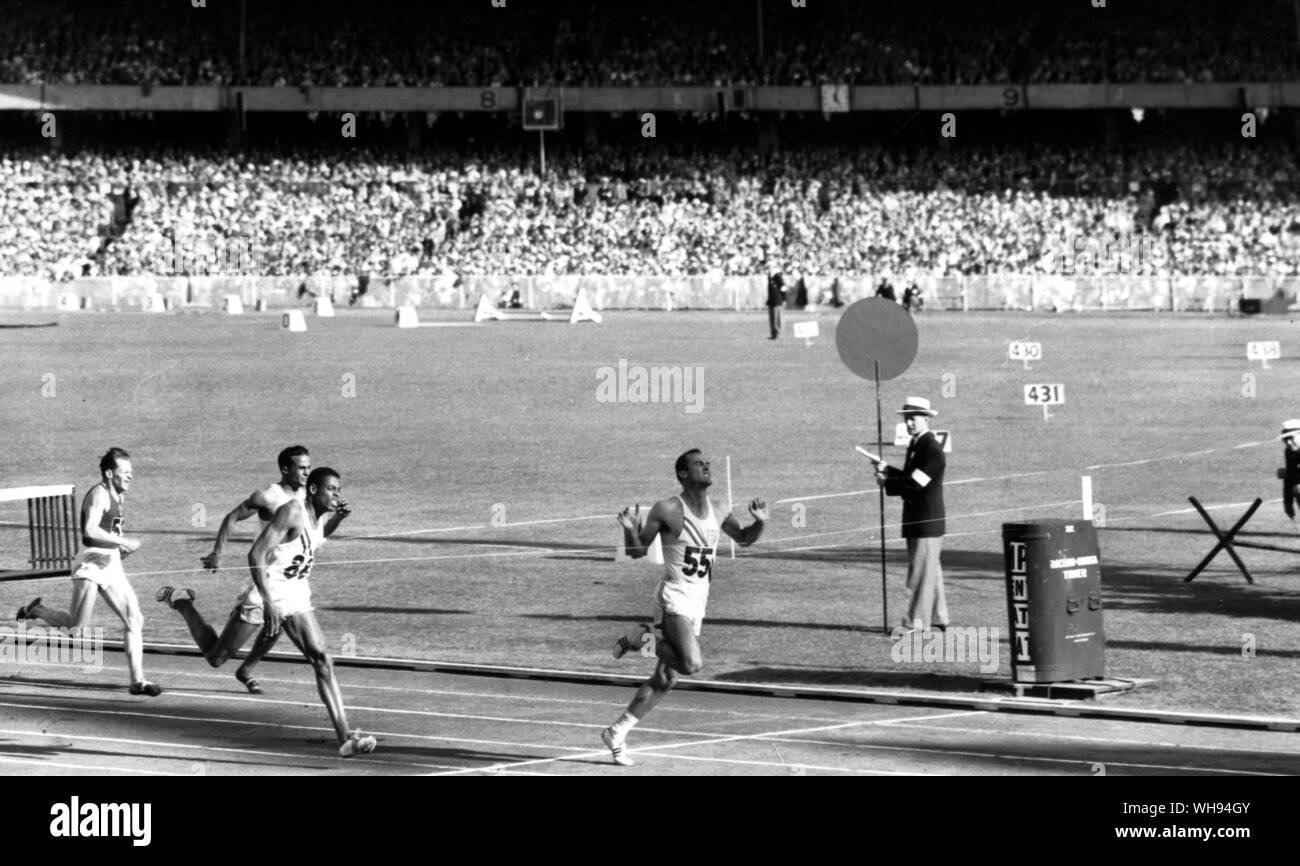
243	23
541	143
758	6
880	449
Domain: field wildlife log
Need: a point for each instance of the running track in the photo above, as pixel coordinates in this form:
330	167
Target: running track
64	720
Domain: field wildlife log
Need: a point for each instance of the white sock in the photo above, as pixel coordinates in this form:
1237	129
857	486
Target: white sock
624	724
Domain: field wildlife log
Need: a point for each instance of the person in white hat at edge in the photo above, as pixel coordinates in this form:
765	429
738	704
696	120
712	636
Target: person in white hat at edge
920	485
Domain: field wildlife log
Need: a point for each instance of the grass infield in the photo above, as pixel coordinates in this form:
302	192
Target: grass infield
456	445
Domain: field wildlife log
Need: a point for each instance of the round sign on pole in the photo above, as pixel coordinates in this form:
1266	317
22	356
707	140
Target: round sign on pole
876	329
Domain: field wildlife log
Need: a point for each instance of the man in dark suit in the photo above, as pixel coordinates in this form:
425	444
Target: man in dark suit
920	485
1290	475
775	301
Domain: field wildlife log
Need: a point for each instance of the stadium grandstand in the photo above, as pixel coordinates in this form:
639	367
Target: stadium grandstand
741	179
241	168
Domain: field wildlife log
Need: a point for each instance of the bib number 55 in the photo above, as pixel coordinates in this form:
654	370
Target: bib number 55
697	561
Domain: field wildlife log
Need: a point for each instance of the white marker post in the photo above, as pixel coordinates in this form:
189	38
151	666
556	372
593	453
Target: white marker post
1264	351
729	505
1045	395
1087	498
1022	351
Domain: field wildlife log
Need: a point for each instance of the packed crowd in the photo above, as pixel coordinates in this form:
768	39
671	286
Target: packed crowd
387	43
1008	209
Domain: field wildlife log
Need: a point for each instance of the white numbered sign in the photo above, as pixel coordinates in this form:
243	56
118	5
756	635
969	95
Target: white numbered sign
1044	395
1025	351
1264	350
806	331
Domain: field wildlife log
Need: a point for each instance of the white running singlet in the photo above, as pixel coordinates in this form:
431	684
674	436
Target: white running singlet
688	565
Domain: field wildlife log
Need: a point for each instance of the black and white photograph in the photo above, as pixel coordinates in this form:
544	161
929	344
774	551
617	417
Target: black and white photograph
783	388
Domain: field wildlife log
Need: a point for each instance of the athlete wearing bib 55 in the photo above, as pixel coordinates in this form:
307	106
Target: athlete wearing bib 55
689	530
97	570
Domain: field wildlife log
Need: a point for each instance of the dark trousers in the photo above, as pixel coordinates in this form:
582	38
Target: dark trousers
774	321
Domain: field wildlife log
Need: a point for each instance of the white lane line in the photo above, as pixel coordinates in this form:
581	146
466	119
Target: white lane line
247	723
1019	758
189	747
1120	741
713	741
85	767
504	696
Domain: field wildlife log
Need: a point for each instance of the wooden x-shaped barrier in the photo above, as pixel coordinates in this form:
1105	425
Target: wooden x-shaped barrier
1225	540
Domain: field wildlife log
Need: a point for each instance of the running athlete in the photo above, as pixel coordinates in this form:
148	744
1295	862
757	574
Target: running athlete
98	566
246	618
690	530
281	561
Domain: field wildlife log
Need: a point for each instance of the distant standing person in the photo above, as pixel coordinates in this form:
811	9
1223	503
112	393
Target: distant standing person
689	528
912	298
775	301
920	485
246	617
98	568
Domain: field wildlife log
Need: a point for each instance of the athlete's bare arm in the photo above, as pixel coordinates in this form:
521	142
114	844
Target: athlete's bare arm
341	511
289	522
748	535
665	518
97	502
257	503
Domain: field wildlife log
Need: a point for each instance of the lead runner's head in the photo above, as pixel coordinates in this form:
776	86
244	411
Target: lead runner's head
115	469
323	486
693	470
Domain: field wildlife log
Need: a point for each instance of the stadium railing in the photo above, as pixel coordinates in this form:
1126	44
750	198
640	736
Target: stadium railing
52	528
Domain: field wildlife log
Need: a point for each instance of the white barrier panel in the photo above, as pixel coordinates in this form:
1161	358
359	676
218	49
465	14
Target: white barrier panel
232	305
407	317
154	303
582	311
323	307
69	301
293	320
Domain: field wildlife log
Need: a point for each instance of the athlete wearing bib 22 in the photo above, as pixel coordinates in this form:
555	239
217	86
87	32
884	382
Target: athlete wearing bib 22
247	617
290	564
688	565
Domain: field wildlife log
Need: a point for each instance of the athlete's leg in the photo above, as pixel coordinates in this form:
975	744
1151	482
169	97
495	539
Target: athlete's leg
260	648
679	655
205	636
232	639
78	612
121	598
305	633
